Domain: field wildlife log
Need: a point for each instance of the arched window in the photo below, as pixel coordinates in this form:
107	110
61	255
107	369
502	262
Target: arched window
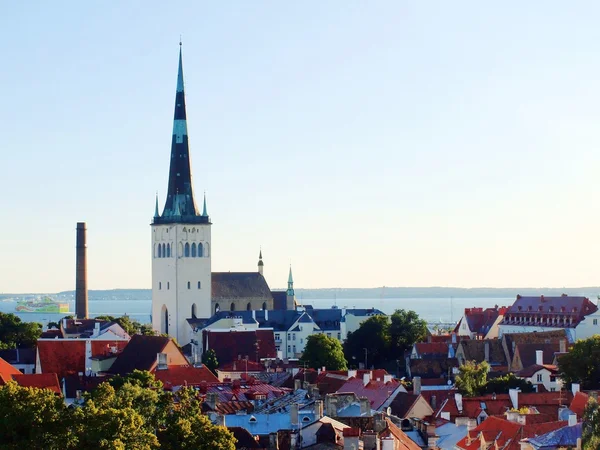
264	306
200	252
194	311
164	250
232	307
187	249
189	285
159	285
194	250
249	307
159	251
168	250
164	325
199	285
217	308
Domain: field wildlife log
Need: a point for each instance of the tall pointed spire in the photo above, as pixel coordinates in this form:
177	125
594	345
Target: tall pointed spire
180	194
260	263
290	289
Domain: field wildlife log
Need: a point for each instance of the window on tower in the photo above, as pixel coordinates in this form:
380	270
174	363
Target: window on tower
194	250
189	285
159	251
200	252
232	306
159	285
187	249
168	250
194	311
249	307
168	285
199	285
264	306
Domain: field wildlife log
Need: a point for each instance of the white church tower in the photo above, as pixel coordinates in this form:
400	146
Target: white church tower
181	245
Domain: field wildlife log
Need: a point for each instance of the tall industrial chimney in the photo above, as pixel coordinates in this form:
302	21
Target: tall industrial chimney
81	291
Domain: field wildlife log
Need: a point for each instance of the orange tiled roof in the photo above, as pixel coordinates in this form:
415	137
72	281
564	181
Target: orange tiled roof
62	356
184	375
579	403
6	372
39	380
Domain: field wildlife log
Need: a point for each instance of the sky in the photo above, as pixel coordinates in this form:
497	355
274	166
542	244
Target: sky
396	143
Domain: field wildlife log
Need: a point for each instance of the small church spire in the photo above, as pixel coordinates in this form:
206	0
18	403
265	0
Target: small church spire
290	302
260	262
290	289
204	210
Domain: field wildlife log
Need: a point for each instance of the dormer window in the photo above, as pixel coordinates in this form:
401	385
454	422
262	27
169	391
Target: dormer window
252	419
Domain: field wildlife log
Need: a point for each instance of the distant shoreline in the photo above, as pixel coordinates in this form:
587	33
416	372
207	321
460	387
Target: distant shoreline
380	293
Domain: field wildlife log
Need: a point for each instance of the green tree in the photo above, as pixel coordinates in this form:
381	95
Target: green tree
472	379
131	326
591	425
32	418
503	384
141	378
324	351
209	359
582	363
372	335
16	333
187	428
406	328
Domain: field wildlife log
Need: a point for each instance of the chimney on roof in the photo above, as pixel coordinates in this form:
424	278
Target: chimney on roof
331	404
387	443
366	378
514	397
459	403
161	361
539	357
387	378
365	406
297	384
416	385
318	409
294	414
563	345
486	347
575	387
81	291
572	419
433	402
212	399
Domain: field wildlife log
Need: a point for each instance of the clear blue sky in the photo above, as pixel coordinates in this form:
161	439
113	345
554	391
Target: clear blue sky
369	143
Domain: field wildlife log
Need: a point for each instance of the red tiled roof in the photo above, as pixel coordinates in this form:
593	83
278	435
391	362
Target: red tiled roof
240	392
579	403
6	372
492	429
229	345
403	442
62	356
39	380
432	349
530	371
376	391
103	348
184	375
141	353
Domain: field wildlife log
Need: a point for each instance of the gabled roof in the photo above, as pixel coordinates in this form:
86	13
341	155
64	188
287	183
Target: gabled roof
432	368
140	353
376	391
402	404
231	345
527	353
530	371
511	340
403	442
7	371
474	350
38	380
481	320
579	307
244	438
174	376
61	356
234	285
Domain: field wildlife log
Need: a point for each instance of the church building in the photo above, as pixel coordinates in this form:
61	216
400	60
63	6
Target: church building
183	285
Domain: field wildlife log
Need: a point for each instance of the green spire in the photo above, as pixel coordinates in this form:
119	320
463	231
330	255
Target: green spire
290	289
156	214
204	212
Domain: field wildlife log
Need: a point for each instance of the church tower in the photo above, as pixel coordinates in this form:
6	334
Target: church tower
181	244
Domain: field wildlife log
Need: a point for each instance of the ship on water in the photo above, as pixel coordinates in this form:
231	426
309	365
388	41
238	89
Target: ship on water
44	304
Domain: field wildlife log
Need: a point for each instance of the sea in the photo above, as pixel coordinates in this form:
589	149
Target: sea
138	305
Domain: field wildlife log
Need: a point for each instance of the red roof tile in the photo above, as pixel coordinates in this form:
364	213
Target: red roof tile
62	356
431	349
579	403
242	365
105	348
376	391
39	380
184	375
7	371
403	442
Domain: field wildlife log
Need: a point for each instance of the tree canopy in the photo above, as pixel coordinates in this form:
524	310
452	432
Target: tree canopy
591	425
385	339
323	351
131	326
582	363
135	415
15	333
209	359
472	381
